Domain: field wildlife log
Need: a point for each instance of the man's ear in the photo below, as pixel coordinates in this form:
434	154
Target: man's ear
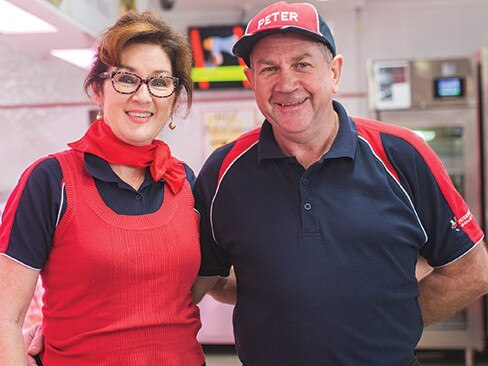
336	69
250	77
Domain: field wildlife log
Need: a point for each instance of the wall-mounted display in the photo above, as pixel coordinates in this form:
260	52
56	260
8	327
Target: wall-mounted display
449	87
215	66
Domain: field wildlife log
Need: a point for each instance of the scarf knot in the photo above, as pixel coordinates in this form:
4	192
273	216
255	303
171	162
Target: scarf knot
100	140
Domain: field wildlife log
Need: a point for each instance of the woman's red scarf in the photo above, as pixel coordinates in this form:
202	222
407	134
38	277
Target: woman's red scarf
100	140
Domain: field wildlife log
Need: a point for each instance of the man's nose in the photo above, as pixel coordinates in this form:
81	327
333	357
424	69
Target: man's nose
286	80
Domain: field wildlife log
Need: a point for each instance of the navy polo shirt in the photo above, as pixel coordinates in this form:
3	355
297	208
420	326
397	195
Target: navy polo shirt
325	257
41	204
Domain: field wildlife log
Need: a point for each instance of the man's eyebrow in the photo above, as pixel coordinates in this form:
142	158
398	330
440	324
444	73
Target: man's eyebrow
264	61
301	57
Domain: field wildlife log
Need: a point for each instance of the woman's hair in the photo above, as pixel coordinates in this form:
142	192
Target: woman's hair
146	27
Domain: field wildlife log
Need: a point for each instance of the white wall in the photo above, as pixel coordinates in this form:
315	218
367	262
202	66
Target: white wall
41	109
191	140
369	29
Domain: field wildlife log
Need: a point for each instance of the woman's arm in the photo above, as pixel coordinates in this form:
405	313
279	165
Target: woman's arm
222	289
16	290
201	286
225	289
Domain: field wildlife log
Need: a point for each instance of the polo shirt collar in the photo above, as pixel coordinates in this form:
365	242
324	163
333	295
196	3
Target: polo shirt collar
344	145
268	148
101	170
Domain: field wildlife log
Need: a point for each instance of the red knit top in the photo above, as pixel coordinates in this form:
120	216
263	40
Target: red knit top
118	287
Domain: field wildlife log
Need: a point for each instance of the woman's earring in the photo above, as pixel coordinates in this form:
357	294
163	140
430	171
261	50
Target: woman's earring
172	125
99	115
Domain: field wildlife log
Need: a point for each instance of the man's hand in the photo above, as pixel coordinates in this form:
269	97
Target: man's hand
33	342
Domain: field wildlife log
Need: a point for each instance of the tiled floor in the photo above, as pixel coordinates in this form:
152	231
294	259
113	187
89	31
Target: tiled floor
221	356
225	356
450	358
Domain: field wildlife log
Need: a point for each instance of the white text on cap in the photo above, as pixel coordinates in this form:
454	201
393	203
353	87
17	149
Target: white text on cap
278	16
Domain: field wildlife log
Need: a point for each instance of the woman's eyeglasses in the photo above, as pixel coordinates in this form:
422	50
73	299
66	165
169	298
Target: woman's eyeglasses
129	83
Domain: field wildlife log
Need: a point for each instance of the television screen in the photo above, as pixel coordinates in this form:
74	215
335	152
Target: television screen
214	64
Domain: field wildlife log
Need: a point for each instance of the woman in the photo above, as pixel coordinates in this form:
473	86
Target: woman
109	223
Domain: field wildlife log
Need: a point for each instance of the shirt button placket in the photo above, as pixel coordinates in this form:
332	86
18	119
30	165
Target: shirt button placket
309	221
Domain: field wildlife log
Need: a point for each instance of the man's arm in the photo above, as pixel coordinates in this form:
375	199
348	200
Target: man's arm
222	289
448	289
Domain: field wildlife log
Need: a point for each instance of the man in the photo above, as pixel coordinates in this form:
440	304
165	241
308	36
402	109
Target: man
323	216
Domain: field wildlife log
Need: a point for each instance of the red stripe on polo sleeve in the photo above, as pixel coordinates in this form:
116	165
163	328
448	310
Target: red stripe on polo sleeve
464	217
242	143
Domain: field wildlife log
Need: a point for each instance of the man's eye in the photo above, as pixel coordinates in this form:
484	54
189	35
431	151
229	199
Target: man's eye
268	69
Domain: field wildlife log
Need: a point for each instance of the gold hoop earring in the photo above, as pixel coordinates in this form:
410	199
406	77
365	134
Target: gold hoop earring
99	115
172	125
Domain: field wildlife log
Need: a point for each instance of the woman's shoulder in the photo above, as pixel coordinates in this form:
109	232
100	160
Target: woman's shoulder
44	170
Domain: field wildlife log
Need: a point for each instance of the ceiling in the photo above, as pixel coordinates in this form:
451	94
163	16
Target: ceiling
73	35
69	35
219	4
253	6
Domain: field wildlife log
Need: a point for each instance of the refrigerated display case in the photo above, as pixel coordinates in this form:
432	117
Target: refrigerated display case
482	69
437	99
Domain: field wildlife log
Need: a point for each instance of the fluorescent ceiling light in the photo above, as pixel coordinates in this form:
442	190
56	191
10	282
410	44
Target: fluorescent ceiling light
14	20
81	57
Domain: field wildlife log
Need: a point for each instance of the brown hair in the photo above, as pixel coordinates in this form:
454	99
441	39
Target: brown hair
145	27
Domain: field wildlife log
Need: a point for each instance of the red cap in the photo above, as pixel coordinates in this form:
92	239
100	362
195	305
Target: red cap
283	17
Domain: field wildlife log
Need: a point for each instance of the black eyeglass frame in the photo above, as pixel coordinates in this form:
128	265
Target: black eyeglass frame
111	74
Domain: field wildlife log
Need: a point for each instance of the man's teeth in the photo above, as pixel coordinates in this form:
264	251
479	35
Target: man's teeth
141	115
290	103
